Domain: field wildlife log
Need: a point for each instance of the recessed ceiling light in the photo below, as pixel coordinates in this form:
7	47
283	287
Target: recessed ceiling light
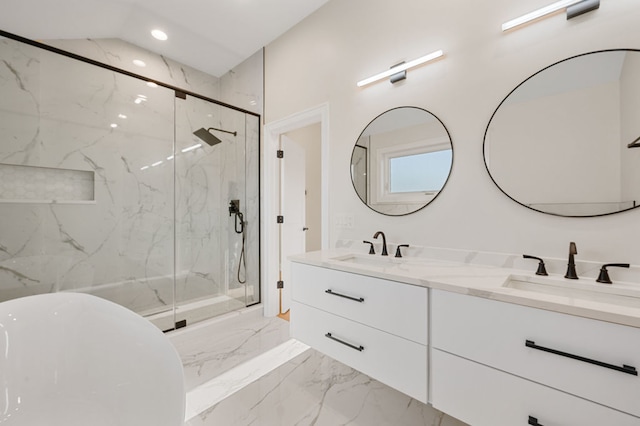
139	63
114	125
151	84
159	35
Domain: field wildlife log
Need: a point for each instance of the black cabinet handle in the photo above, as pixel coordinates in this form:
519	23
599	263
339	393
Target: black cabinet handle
533	421
358	348
357	299
624	369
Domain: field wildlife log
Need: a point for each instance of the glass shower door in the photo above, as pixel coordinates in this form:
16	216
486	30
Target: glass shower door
216	245
86	199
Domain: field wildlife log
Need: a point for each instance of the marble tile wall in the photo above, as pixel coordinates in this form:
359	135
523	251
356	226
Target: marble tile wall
241	86
59	113
121	54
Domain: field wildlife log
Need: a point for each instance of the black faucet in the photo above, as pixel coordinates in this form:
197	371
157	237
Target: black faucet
398	252
571	266
371	249
604	274
384	242
541	268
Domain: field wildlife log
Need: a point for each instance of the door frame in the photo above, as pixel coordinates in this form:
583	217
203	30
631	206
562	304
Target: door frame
270	200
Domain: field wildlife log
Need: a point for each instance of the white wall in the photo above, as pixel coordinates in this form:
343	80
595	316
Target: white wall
321	59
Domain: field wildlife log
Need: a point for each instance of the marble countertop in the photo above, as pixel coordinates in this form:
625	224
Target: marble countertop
584	297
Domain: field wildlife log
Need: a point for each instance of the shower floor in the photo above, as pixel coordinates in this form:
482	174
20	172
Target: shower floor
198	310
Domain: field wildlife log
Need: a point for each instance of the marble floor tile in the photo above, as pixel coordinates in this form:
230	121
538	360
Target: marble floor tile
312	389
216	390
210	348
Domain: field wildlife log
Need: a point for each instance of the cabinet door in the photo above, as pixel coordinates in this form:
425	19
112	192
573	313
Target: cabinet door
482	396
546	347
395	361
394	307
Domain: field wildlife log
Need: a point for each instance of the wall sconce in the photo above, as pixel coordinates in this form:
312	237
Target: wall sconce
399	72
573	7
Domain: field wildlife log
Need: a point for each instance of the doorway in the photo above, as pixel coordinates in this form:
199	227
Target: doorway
303	135
300	202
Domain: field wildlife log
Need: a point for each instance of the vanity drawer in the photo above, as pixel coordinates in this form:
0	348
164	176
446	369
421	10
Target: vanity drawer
392	360
482	396
397	308
496	334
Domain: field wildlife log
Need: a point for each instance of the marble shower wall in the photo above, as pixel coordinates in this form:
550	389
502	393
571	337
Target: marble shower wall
59	113
241	86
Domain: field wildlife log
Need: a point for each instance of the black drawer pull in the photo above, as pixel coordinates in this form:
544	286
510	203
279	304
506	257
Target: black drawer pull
624	369
357	348
357	299
533	421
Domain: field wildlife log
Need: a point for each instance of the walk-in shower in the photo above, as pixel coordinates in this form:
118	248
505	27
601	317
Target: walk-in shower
106	188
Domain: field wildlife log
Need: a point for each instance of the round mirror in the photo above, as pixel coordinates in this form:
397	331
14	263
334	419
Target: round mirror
401	161
566	141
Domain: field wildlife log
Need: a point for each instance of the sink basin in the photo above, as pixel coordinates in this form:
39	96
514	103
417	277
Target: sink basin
403	265
616	294
369	260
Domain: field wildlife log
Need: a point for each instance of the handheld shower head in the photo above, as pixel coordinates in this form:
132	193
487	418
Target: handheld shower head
208	137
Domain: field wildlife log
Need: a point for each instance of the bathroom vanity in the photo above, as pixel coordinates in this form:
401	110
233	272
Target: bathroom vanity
463	337
374	325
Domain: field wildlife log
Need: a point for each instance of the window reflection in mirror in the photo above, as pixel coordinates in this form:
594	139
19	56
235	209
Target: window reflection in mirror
401	161
426	172
558	143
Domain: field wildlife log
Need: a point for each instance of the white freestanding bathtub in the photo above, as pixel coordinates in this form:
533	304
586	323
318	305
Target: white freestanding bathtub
72	359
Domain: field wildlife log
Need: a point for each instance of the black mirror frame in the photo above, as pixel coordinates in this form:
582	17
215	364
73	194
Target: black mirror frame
484	139
445	182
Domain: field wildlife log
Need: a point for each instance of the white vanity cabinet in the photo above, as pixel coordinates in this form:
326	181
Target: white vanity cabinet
496	363
376	326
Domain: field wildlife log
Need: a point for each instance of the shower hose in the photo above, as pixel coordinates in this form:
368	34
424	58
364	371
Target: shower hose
241	260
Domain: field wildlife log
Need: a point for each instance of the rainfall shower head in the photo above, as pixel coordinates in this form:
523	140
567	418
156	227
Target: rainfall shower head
210	139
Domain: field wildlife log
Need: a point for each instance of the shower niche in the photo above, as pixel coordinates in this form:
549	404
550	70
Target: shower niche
147	224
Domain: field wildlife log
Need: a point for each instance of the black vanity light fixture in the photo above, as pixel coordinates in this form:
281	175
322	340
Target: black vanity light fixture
573	8
398	72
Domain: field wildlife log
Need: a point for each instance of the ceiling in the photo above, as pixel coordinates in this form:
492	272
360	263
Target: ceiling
212	36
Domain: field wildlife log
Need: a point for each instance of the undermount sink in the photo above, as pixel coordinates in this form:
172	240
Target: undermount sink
399	264
617	294
369	260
